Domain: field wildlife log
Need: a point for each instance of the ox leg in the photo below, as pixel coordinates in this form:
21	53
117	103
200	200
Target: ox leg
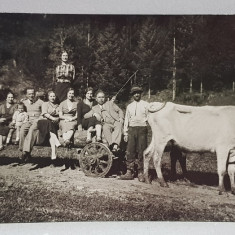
231	170
221	168
147	155
157	164
175	155
173	164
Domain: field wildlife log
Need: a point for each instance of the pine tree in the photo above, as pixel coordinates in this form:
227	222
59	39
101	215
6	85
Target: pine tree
151	50
110	66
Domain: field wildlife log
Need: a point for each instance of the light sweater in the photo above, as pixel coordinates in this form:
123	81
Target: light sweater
136	115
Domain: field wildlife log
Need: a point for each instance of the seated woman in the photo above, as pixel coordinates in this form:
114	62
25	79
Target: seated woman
68	117
6	112
90	123
48	124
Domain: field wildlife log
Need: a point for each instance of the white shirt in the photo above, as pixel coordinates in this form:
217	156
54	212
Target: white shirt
136	115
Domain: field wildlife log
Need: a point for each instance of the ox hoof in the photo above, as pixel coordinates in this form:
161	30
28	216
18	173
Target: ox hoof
233	191
221	192
148	180
186	180
163	184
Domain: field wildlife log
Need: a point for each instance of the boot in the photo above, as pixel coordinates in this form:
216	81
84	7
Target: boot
127	176
141	176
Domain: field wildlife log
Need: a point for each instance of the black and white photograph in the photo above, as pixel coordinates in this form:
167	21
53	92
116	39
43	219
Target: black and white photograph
117	117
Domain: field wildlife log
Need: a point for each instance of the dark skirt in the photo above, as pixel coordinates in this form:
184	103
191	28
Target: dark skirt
4	129
61	90
46	126
89	122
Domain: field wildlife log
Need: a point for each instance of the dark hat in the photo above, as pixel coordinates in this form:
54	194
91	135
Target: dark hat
136	89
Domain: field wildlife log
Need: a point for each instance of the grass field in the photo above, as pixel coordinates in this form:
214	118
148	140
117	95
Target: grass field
35	192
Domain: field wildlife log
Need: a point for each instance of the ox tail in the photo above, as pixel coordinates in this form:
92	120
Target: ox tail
153	107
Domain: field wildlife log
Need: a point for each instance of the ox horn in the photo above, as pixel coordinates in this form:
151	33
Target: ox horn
156	106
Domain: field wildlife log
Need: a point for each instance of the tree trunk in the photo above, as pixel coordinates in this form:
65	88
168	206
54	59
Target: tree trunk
201	88
174	73
191	86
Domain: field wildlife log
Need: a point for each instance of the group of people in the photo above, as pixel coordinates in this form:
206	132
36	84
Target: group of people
37	121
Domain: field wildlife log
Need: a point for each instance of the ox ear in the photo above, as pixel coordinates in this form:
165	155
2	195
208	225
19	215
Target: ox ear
156	106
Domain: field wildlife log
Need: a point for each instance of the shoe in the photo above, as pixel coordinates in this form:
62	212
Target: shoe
98	139
115	148
1	148
66	143
16	142
7	144
141	177
127	176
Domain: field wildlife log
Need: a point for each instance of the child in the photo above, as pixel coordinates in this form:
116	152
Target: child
19	117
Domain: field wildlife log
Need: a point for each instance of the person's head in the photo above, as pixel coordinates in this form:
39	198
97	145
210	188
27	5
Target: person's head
113	99
100	97
89	93
136	92
10	98
30	94
21	107
64	56
40	95
70	94
51	96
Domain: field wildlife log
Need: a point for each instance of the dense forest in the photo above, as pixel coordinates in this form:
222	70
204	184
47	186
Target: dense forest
191	53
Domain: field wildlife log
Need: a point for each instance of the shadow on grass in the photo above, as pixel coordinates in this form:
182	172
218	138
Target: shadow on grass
195	177
40	162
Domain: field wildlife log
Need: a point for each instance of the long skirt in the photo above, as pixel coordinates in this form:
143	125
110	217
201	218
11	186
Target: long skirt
4	129
61	90
46	126
89	122
67	126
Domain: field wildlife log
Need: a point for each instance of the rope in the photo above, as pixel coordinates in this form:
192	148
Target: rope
126	82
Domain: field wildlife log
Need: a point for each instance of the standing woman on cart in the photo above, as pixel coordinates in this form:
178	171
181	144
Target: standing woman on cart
65	75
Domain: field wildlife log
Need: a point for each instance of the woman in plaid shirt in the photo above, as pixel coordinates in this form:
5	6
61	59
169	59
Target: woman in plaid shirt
65	74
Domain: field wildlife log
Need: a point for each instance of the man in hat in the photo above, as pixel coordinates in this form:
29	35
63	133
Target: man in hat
135	133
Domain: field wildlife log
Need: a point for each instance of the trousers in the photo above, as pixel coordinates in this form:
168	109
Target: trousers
137	143
28	135
113	132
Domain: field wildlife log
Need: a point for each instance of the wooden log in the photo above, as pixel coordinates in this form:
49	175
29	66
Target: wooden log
12	151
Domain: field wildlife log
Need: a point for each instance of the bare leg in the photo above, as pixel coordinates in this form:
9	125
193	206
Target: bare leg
88	137
10	133
98	129
17	133
68	135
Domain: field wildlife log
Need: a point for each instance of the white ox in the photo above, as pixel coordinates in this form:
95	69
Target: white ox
196	129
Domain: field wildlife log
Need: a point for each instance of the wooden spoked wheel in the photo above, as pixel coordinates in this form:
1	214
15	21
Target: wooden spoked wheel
96	160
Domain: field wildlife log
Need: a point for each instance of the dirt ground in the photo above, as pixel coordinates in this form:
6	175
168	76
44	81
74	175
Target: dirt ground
37	192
